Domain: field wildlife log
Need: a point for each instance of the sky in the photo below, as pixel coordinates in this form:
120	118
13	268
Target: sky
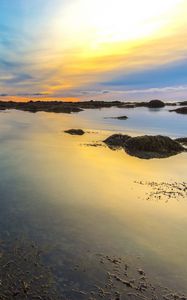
107	49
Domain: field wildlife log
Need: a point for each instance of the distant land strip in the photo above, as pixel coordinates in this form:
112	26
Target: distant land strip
73	107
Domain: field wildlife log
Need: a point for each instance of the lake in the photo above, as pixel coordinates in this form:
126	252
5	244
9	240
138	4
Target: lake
99	213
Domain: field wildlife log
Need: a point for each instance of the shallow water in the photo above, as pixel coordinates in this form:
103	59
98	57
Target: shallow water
81	201
140	120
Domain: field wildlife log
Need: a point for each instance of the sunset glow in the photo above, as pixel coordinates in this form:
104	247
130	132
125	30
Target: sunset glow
69	47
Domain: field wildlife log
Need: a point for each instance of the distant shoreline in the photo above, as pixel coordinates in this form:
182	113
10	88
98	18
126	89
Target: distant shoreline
72	107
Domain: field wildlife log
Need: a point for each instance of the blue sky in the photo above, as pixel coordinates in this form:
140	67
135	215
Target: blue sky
167	75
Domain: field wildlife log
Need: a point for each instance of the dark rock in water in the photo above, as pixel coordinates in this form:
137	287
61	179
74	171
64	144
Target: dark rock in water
181	110
128	105
118	118
152	146
122	118
171	104
183	103
156	104
182	140
98	104
64	109
75	131
147	146
116	140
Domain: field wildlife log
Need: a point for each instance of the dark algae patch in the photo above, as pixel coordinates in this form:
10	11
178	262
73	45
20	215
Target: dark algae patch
165	191
23	275
122	278
93	144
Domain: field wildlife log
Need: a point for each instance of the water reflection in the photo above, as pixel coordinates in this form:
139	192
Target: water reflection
84	200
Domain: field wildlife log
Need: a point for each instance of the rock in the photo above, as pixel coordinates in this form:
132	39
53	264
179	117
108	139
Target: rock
181	110
184	103
156	104
146	146
122	118
75	131
152	146
116	140
98	104
73	107
128	105
64	109
141	104
171	104
141	272
118	118
182	140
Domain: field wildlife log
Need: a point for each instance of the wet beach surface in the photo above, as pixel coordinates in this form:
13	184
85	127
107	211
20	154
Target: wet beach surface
80	221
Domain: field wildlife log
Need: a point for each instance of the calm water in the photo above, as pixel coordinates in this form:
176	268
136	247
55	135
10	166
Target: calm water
80	200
